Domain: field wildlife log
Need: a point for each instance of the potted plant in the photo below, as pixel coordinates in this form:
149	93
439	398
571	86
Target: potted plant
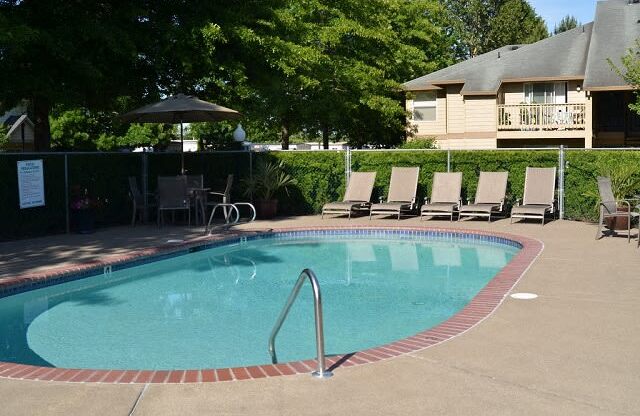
268	178
83	210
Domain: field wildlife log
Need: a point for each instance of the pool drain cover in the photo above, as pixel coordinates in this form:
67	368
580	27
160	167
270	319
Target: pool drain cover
524	296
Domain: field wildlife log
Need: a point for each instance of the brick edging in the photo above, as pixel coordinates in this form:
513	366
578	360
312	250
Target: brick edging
479	308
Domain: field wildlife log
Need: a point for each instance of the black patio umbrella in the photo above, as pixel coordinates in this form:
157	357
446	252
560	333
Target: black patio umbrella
181	109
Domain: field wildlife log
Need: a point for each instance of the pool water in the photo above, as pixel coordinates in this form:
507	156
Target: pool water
216	307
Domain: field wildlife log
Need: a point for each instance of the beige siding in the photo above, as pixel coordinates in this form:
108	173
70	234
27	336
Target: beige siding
481	113
514	93
461	144
455	110
573	95
432	128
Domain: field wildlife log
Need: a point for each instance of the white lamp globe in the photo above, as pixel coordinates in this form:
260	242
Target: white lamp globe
239	134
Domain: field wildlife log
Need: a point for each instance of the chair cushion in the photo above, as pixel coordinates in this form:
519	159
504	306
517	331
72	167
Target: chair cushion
446	207
530	209
391	206
480	208
342	206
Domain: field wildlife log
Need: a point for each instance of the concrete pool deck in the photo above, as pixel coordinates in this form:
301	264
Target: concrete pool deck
574	350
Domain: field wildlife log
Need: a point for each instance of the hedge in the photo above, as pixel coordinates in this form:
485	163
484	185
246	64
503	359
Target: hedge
582	169
320	178
471	163
382	162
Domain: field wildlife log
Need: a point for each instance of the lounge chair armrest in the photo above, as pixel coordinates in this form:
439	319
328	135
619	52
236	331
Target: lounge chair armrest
624	202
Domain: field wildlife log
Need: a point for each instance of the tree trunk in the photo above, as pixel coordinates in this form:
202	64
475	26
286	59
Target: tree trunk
284	135
41	130
325	136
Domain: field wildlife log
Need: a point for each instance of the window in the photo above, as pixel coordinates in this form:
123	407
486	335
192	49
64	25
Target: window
545	93
424	106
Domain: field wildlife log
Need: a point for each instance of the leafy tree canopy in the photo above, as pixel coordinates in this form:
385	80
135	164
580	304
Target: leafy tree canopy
481	26
630	71
81	129
292	67
567	23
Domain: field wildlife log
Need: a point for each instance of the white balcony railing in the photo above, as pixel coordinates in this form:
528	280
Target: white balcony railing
541	117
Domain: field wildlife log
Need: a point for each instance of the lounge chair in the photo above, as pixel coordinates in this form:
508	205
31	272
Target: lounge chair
402	193
490	196
610	208
356	197
539	194
173	195
445	195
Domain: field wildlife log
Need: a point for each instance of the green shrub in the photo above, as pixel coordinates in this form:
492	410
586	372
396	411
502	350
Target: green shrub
319	179
421	143
471	163
382	162
582	169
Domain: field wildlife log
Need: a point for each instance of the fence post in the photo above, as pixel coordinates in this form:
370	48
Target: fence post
347	165
561	182
145	186
66	193
448	160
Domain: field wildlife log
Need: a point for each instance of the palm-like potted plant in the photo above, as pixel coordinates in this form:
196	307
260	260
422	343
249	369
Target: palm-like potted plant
268	178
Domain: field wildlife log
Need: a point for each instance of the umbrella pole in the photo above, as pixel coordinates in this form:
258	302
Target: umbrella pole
181	149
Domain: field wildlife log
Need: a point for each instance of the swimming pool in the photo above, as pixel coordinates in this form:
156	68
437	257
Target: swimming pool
215	306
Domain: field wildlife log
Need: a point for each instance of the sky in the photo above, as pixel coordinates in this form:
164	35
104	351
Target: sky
552	11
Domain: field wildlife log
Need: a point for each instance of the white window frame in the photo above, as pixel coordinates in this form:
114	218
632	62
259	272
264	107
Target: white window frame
551	96
430	103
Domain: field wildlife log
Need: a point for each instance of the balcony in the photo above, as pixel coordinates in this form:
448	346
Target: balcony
541	117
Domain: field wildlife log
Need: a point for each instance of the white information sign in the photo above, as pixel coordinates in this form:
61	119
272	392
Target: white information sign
30	183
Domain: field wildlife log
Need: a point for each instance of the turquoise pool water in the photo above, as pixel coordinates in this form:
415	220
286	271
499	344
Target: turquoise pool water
216	307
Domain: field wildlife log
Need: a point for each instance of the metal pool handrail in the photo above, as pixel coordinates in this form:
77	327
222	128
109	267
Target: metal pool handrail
322	372
233	208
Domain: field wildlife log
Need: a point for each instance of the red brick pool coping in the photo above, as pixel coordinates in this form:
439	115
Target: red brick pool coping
480	307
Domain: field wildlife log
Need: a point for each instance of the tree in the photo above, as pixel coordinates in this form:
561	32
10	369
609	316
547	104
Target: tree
335	67
4	139
484	25
105	56
630	72
81	129
308	67
214	136
74	53
567	23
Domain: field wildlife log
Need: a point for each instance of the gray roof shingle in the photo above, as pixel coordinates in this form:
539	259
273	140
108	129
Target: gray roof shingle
580	53
616	30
